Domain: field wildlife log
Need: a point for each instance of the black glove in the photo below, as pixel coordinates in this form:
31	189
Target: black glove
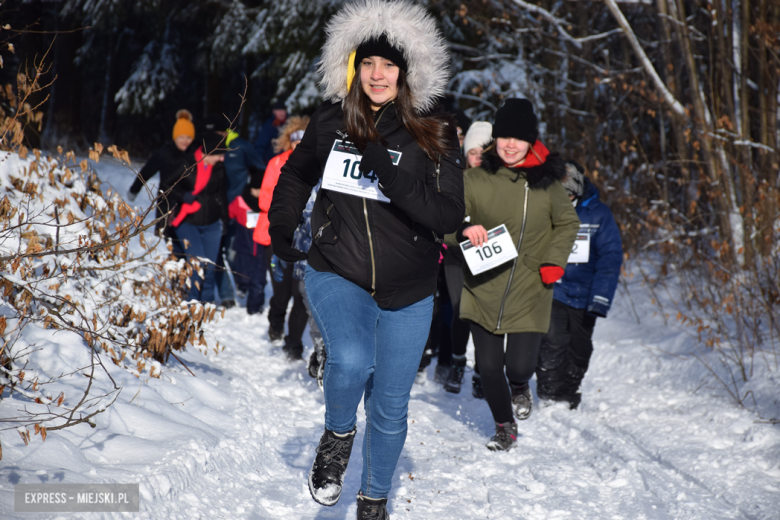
188	198
281	241
377	159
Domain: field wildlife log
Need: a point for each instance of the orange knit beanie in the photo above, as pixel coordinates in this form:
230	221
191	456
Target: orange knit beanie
183	124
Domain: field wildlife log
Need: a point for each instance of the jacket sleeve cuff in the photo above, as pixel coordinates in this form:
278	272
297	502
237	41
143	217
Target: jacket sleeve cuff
599	307
459	236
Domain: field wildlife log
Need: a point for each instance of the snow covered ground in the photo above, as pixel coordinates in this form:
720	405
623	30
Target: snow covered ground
653	439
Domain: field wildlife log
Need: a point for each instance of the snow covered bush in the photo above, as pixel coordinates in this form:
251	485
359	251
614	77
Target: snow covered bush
78	264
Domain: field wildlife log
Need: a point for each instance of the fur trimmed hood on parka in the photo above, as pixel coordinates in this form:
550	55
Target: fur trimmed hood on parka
539	177
407	26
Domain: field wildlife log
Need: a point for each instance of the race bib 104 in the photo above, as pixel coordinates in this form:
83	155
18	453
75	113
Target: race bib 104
498	250
342	172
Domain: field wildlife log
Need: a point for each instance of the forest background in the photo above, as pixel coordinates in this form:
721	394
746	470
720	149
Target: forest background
671	105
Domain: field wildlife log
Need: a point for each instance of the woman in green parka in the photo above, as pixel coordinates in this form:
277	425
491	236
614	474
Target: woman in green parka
517	184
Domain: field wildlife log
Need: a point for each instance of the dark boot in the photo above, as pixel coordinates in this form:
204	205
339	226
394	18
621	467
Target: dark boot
441	374
522	401
505	437
371	508
293	353
326	477
455	380
276	336
476	387
314	365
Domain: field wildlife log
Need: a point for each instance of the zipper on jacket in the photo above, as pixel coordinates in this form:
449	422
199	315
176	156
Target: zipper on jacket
368	225
371	249
322	228
438	171
514	264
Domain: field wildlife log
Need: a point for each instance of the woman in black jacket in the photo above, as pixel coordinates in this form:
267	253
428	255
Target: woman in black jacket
392	186
199	200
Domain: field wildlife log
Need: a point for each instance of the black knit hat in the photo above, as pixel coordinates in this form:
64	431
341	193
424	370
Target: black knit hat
215	123
380	47
214	144
516	119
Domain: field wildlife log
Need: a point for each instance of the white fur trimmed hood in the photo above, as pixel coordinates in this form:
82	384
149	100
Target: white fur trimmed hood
408	26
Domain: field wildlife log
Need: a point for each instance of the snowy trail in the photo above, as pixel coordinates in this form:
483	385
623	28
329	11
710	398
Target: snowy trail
650	441
637	449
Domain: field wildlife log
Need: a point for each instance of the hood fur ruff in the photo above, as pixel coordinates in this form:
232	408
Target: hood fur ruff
408	26
538	177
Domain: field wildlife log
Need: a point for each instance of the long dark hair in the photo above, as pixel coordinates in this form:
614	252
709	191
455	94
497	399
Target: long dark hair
430	131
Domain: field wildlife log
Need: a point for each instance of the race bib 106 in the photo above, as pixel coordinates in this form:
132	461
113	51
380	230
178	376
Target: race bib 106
342	172
498	250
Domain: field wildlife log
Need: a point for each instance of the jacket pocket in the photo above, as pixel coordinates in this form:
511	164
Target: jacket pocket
534	264
422	238
328	232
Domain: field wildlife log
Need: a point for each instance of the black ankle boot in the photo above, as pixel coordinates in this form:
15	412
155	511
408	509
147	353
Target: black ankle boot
326	477
371	508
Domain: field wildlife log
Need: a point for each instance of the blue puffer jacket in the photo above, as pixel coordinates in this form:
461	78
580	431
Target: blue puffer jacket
240	159
302	236
593	285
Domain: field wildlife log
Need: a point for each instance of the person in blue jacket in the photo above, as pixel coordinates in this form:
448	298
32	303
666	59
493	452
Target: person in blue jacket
270	131
242	162
583	294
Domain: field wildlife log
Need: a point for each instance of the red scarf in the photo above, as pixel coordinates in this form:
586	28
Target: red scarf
202	178
536	155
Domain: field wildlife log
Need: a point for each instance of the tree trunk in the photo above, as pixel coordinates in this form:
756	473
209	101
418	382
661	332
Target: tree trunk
106	108
714	155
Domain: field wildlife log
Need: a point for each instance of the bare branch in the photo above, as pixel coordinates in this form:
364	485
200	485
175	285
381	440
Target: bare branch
669	98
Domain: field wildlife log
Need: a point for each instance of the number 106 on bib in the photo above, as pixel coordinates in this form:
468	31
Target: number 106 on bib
498	250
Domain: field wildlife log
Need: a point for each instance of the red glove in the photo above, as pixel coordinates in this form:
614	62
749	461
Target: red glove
551	273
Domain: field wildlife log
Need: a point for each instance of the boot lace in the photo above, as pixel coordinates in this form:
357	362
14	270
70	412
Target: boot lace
335	451
373	512
457	373
503	435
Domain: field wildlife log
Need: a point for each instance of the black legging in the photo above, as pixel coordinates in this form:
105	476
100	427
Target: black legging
283	291
453	273
522	352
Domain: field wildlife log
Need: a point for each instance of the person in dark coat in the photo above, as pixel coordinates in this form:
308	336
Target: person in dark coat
583	294
270	131
392	186
170	161
201	213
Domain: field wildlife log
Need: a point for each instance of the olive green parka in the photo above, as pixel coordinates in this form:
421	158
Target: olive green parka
511	298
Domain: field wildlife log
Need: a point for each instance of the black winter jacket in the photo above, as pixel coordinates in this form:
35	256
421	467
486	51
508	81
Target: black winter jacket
389	249
212	199
169	161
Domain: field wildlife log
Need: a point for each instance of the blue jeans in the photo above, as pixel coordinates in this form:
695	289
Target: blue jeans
203	242
371	350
